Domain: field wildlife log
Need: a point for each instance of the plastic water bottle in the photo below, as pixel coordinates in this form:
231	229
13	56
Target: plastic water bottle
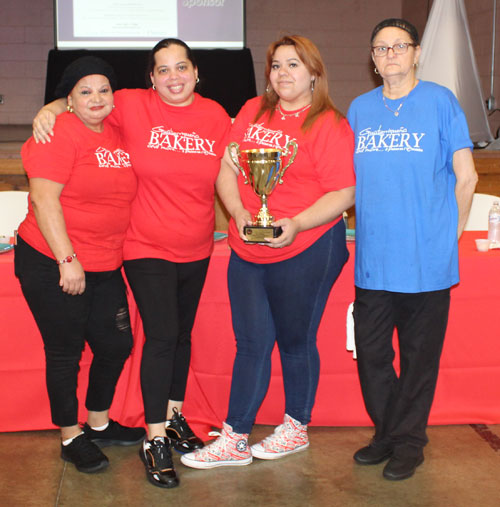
494	224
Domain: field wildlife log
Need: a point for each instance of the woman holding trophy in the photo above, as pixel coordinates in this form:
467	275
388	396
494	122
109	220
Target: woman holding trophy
279	283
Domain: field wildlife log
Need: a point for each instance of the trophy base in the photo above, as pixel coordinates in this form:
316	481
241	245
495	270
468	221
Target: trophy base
257	233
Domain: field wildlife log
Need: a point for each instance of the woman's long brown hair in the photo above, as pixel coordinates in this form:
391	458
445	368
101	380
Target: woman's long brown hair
310	56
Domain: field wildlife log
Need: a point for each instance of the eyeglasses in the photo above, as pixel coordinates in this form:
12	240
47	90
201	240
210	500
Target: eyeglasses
398	49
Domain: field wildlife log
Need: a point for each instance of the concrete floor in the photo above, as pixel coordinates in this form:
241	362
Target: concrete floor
462	468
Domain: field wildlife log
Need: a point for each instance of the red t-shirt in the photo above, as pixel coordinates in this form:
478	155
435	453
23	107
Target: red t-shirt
99	186
176	154
324	163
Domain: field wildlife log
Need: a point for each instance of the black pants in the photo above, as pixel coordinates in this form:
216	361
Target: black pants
399	406
167	296
99	316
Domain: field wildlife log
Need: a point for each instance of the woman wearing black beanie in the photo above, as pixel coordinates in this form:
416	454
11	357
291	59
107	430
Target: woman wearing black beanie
69	255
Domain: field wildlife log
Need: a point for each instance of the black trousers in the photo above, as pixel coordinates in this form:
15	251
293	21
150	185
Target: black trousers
99	317
167	296
399	406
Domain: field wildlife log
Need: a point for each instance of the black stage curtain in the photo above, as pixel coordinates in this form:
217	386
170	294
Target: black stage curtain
226	75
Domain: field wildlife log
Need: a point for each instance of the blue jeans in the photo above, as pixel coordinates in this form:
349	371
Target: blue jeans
280	302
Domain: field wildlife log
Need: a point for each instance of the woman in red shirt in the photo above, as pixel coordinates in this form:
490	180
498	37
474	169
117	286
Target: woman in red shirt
68	259
176	139
279	288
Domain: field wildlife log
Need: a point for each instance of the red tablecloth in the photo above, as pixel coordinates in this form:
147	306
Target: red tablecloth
468	388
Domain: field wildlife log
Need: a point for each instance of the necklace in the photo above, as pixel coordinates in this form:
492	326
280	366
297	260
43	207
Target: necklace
284	116
396	112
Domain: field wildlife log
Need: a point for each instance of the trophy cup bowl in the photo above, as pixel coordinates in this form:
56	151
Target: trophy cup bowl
263	169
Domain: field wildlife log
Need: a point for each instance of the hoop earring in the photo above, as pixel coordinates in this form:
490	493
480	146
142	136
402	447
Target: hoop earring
312	84
154	87
69	108
197	80
375	70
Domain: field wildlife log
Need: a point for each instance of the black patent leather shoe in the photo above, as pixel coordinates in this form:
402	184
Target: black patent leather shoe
373	454
402	467
181	435
157	458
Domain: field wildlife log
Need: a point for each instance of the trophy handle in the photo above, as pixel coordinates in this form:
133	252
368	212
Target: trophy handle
234	158
290	144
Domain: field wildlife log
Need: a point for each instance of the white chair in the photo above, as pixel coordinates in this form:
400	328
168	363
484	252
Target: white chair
478	216
13	209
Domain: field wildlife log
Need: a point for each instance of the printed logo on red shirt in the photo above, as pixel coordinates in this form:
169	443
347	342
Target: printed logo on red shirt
257	133
180	141
116	159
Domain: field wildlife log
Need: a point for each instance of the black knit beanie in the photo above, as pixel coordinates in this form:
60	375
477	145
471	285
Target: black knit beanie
84	66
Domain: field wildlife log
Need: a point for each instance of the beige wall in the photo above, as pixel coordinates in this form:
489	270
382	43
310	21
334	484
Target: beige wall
340	28
26	36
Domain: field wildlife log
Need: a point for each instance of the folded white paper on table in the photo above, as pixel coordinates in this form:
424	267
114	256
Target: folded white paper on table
350	343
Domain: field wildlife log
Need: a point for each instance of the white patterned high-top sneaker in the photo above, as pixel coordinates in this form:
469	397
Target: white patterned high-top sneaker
230	449
289	437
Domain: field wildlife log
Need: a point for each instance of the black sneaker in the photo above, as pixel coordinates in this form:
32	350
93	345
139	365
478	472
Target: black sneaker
181	435
84	454
373	454
115	434
157	457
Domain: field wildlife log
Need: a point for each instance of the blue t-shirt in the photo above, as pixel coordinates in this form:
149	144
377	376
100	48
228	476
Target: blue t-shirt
406	210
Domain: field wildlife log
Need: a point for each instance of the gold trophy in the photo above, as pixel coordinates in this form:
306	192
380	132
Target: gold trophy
262	167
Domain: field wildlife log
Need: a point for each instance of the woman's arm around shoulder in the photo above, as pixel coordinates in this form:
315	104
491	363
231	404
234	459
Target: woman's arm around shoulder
45	119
